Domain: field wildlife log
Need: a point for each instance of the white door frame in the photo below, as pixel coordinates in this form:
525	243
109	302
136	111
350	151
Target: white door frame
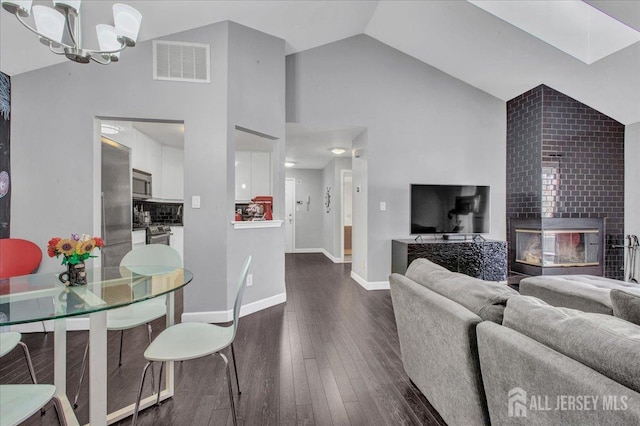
293	213
343	173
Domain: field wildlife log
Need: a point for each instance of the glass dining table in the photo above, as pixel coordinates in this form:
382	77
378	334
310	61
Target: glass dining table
42	297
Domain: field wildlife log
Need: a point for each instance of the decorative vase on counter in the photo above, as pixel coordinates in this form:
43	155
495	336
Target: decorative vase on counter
74	275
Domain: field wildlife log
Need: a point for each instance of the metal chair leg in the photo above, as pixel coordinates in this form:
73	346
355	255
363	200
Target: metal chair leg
121	341
159	382
235	367
59	411
153	374
137	408
32	372
233	406
82	370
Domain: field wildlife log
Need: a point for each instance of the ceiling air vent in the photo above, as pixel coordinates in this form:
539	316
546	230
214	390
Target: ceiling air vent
176	61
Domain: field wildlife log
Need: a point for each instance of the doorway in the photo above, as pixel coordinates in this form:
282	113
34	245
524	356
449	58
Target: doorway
290	212
346	181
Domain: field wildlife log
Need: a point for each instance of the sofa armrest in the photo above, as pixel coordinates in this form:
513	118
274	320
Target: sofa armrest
547	379
439	352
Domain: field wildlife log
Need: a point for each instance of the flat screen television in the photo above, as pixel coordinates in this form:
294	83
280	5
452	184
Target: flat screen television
450	209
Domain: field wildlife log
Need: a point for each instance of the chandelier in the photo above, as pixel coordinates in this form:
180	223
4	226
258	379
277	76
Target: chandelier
50	24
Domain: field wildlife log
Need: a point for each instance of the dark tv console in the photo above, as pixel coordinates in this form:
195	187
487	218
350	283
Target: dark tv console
486	260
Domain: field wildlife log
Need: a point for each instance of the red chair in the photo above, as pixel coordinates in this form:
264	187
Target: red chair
18	257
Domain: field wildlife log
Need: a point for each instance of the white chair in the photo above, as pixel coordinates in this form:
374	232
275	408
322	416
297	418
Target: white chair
191	340
11	339
19	402
142	312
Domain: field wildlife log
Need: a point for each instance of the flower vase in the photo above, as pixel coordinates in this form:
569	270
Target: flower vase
74	275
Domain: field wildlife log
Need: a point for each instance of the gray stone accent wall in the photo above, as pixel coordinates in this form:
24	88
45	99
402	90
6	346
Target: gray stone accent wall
566	160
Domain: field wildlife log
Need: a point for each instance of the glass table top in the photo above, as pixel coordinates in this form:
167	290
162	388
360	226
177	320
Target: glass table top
38	297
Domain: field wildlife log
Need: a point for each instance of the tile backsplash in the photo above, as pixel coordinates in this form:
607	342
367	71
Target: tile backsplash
166	213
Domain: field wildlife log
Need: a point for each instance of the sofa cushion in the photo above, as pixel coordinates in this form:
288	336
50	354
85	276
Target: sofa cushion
484	298
626	305
587	293
605	343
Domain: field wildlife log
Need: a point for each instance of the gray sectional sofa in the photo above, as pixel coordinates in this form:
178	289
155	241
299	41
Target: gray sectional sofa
483	354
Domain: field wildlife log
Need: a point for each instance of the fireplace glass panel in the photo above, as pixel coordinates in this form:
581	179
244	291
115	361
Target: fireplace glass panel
557	247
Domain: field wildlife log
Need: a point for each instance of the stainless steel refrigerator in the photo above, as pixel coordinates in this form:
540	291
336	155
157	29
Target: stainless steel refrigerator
116	202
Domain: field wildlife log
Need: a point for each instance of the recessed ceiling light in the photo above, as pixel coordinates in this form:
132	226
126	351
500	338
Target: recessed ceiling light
109	129
289	164
338	151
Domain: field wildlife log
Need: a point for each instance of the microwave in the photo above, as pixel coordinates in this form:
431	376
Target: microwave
141	184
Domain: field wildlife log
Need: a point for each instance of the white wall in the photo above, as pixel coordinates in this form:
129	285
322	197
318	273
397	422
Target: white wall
308	222
632	183
331	220
347	200
56	167
423	126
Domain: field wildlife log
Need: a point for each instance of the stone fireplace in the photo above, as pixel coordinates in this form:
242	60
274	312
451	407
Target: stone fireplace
557	246
565	166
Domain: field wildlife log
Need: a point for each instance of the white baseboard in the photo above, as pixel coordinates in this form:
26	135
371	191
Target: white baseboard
323	251
370	285
331	257
224	316
308	250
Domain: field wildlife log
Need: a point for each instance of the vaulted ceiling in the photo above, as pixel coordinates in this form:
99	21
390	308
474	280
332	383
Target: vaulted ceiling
453	36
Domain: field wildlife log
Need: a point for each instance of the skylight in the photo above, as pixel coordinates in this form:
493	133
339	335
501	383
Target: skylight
572	26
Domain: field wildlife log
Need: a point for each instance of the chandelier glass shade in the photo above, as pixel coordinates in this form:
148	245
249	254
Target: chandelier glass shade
51	23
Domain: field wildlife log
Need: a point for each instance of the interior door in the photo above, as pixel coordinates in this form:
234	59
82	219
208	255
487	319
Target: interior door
289	212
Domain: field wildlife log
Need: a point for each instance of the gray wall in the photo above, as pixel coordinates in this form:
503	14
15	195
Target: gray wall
632	183
55	155
359	230
423	126
308	223
256	94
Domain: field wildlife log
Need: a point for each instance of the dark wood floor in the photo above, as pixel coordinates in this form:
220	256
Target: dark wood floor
330	355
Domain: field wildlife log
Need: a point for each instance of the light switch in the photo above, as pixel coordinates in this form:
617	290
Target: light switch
195	202
383	206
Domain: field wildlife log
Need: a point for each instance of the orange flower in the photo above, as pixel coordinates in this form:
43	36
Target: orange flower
66	246
84	247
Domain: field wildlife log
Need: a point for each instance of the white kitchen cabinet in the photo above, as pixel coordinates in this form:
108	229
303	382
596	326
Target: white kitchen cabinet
154	165
139	238
138	153
172	173
177	240
260	173
253	174
243	175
